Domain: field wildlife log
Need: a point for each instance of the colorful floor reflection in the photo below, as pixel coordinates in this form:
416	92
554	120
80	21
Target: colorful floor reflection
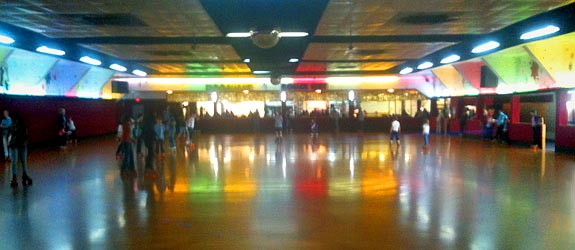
341	192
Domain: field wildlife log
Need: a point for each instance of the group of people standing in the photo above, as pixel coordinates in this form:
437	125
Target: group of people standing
498	123
148	133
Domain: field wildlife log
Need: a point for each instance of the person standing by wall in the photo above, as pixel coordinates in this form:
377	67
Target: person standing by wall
501	119
62	128
536	125
18	145
72	127
463	121
6	125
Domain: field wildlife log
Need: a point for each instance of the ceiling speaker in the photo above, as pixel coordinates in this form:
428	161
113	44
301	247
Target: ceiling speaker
265	40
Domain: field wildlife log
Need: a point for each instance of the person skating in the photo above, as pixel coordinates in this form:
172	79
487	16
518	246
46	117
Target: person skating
394	130
18	146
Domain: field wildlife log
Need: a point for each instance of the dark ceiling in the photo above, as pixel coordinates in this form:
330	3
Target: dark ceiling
170	38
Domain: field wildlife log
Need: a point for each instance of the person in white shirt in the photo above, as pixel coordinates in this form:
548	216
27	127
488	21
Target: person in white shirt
394	130
72	128
426	132
190	124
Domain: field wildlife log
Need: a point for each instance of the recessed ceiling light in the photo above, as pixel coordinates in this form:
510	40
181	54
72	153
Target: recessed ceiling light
89	60
539	32
239	34
139	72
485	47
293	34
293	60
405	71
51	51
169	91
247	60
281	34
450	59
425	65
6	39
118	67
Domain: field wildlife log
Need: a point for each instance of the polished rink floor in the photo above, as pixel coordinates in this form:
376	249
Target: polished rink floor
345	191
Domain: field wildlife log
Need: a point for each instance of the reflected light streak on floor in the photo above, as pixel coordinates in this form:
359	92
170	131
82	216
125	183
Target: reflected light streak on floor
344	191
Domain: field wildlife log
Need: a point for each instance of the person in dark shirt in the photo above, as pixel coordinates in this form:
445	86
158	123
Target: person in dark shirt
536	125
18	146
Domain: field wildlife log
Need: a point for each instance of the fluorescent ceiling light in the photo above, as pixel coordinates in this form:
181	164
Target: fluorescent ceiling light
485	47
239	34
450	59
139	72
50	51
425	65
360	79
282	34
539	32
293	60
89	60
293	34
261	72
203	81
247	60
405	71
118	67
6	39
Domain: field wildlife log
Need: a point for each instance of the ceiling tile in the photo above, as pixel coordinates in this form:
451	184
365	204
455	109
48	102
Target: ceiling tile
198	68
66	19
373	17
371	51
192	52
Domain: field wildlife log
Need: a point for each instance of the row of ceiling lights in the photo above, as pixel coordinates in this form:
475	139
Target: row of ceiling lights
85	59
291	60
485	47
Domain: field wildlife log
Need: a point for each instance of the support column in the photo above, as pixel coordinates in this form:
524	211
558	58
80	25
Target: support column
562	117
515	112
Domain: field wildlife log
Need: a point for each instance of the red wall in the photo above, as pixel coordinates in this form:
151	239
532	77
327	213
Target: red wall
91	117
521	132
565	136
